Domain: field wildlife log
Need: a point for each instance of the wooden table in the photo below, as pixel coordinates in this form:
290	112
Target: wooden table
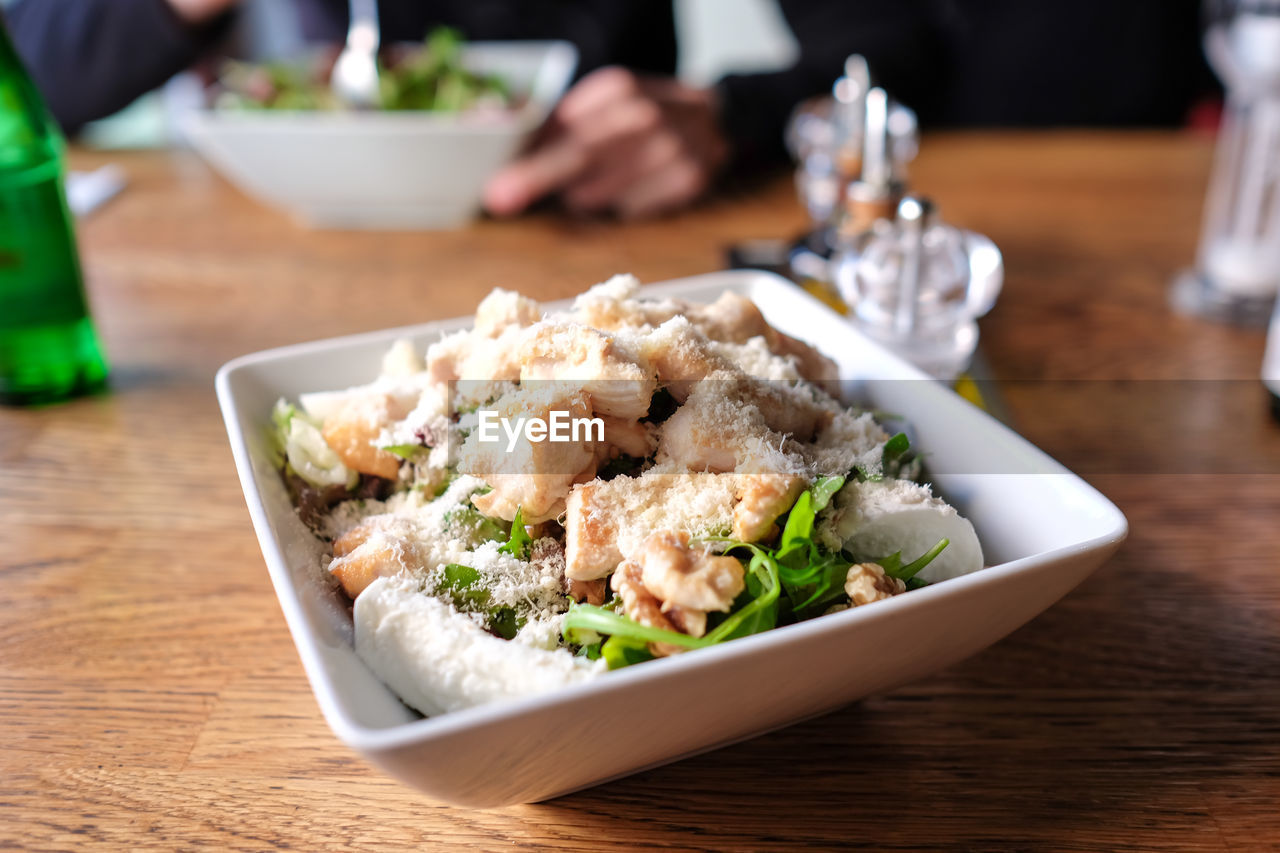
150	694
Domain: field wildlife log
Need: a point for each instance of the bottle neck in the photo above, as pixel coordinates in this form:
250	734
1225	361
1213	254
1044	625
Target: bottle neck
28	135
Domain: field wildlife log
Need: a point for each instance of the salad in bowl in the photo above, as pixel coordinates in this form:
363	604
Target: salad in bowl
547	496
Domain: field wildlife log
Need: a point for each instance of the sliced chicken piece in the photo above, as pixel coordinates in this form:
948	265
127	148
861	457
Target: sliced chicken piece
607	521
471	356
537	496
353	427
630	437
681	357
701	443
504	308
813	365
785	411
761	499
730	425
376	548
444	356
533	476
685	360
612	306
618	384
591	543
490	351
733	318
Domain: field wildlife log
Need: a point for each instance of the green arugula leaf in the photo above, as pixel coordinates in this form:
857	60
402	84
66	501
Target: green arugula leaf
890	457
462	584
799	528
899	459
405	451
506	622
893	566
588	617
619	651
822	586
824	490
810	578
896	446
468	524
760	612
520	542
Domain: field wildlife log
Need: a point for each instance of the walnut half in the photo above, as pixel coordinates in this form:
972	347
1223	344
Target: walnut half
692	578
640	605
867	582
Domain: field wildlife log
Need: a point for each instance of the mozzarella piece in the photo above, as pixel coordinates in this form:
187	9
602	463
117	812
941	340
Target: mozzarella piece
876	519
437	660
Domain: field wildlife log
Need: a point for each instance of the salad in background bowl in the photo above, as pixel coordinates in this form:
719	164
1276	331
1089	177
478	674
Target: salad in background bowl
454	112
428	77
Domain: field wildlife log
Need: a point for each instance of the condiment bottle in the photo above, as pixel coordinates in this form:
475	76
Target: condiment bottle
848	114
876	193
48	348
1237	270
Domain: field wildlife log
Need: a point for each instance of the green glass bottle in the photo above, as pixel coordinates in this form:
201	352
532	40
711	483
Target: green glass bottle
48	348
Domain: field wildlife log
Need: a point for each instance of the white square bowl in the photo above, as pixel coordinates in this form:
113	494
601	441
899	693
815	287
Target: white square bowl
411	169
1042	528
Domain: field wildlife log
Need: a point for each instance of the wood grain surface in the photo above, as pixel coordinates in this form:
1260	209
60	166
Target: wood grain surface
150	695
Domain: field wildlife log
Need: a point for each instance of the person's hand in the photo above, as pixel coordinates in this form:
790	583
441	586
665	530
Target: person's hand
635	146
200	11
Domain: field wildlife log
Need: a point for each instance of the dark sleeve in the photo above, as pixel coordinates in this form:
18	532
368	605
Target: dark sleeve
90	58
897	38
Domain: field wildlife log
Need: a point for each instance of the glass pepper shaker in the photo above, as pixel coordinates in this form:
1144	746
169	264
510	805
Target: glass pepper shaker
1237	272
918	286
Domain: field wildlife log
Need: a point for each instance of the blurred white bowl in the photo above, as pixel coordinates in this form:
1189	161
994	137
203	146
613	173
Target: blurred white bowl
386	169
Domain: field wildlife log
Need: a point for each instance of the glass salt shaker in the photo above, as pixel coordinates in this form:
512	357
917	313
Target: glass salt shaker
918	286
1237	272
